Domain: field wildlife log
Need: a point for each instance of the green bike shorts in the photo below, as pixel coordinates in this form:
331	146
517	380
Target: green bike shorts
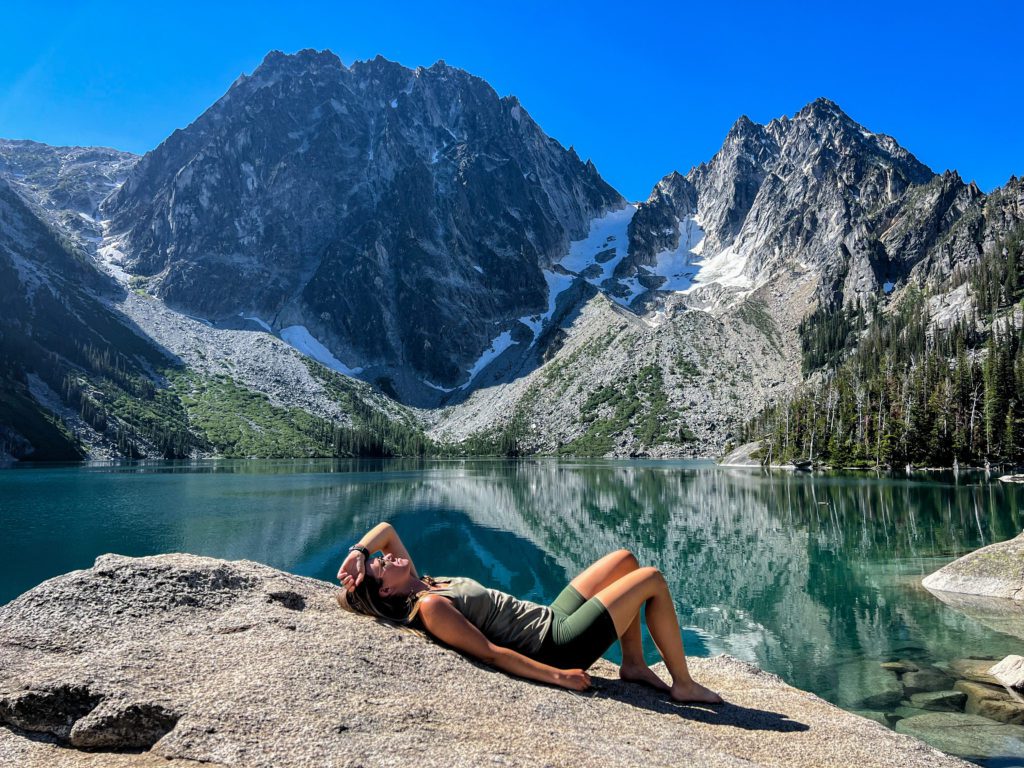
581	631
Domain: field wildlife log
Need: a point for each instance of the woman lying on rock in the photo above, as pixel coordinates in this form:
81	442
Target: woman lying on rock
553	644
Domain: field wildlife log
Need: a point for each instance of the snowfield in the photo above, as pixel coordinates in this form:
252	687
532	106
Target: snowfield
301	339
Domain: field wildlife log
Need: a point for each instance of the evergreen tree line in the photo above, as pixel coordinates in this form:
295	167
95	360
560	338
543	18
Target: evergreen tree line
910	392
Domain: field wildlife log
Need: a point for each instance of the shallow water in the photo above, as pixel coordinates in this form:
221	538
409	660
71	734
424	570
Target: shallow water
813	577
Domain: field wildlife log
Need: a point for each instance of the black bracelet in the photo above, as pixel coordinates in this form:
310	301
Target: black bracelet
358	548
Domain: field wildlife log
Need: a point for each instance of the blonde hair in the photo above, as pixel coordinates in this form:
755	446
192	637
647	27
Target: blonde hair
394	609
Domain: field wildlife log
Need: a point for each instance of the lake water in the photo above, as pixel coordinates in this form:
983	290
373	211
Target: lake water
813	577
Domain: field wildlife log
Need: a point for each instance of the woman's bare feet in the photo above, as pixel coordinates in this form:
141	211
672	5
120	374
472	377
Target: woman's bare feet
694	691
641	673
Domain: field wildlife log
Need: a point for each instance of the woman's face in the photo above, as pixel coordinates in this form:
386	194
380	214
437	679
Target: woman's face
391	571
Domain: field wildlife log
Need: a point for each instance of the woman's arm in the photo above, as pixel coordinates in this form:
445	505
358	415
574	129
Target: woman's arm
382	537
443	620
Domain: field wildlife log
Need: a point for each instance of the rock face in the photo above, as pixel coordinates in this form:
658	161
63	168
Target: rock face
816	189
193	659
65	184
52	321
993	571
743	456
411	228
402	216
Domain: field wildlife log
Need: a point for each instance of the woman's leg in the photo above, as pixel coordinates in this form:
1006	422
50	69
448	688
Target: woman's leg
602	573
646	586
605	572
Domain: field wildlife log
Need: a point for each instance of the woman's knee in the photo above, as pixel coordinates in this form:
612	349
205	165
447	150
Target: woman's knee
627	558
652	575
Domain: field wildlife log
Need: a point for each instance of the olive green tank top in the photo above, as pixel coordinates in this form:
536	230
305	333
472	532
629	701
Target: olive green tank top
502	618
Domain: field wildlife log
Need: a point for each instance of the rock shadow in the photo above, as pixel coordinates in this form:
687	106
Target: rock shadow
727	713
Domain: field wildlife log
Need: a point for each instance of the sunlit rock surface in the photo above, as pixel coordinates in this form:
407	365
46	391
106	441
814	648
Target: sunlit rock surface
993	571
183	658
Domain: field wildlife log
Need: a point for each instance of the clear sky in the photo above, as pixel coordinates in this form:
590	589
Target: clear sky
641	88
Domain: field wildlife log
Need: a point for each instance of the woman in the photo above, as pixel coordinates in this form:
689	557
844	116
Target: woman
553	644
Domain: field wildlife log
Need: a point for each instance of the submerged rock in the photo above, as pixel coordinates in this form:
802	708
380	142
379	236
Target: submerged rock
900	667
882	700
965	735
991	701
973	669
183	658
925	681
994	571
871	714
940	701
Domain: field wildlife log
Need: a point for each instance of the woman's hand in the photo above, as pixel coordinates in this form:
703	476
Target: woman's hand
574	679
352	570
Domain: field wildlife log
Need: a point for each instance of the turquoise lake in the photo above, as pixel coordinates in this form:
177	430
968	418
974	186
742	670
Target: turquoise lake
813	577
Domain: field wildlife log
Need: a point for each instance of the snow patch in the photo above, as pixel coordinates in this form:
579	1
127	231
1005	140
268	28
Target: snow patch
249	174
478	268
608	239
432	385
499	345
111	258
726	268
634	287
300	338
557	283
259	321
606	232
198	319
678	266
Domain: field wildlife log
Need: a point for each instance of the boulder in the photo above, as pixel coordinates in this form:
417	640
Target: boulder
940	701
904	711
861	683
969	736
743	456
177	659
991	701
926	680
973	669
994	571
900	667
1010	672
871	714
882	700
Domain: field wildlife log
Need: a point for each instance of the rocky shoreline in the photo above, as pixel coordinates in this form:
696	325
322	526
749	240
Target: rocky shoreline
959	706
177	659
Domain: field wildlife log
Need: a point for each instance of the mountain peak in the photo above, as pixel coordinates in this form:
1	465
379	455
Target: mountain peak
744	126
357	161
307	58
822	108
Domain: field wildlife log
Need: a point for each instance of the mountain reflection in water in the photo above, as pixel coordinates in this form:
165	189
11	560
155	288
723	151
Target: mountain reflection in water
813	577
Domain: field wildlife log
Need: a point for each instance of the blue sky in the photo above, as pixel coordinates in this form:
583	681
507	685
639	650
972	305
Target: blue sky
640	88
